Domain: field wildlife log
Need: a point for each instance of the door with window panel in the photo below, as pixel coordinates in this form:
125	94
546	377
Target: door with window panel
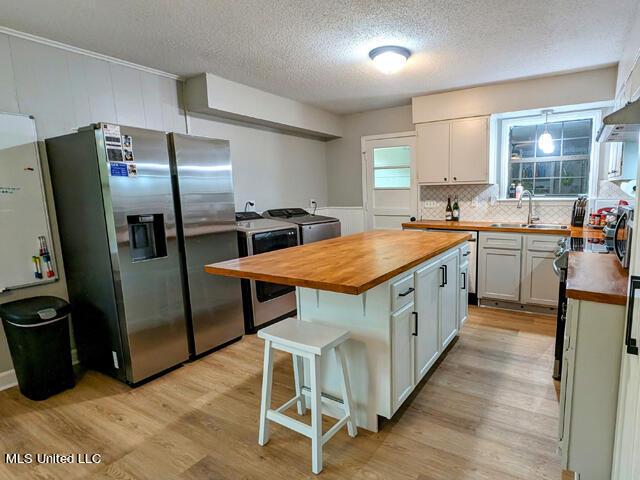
390	183
562	172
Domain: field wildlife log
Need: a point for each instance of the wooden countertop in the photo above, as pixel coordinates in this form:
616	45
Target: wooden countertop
481	227
351	264
597	278
576	232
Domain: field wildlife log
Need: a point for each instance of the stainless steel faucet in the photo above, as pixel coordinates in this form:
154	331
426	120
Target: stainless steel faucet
530	217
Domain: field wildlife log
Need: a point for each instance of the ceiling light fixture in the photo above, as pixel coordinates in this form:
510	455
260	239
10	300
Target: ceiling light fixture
545	142
389	59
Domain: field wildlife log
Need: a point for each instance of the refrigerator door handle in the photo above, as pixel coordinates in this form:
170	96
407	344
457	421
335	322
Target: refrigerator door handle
631	343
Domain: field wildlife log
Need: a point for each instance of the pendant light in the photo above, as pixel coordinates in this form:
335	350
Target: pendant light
545	142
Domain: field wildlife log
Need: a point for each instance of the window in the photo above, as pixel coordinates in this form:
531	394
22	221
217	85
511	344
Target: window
566	171
392	167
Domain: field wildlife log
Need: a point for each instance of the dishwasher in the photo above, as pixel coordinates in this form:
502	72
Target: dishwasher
473	261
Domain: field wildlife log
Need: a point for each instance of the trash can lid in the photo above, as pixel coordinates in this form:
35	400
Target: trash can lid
34	310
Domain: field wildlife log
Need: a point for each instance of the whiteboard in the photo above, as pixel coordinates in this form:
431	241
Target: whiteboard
23	209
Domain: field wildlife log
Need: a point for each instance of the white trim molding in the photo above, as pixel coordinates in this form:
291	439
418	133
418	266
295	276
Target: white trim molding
88	53
8	379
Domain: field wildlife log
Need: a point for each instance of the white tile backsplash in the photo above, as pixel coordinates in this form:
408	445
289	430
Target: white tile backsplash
479	203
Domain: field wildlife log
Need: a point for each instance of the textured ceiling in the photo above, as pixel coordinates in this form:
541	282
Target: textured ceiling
316	50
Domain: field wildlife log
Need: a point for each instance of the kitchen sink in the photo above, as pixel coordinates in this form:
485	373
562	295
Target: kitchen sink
538	226
547	226
509	225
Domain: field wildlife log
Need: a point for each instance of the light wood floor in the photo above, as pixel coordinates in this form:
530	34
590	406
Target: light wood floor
489	411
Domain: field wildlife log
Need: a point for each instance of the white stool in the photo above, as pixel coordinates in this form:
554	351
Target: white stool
311	341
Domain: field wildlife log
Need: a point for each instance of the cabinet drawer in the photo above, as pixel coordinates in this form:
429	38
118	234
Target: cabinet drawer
402	292
542	243
505	241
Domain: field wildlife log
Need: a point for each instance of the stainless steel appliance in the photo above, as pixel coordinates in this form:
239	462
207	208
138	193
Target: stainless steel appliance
122	263
265	302
312	228
124	248
560	265
623	235
206	230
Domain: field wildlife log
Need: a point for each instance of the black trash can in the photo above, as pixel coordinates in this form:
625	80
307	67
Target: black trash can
37	331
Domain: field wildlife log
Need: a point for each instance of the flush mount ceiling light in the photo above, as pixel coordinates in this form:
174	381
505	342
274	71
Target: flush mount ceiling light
545	142
389	59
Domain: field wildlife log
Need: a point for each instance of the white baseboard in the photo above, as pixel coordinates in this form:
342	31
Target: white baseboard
8	379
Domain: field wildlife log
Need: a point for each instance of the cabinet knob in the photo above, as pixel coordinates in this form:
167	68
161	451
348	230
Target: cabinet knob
445	179
455	178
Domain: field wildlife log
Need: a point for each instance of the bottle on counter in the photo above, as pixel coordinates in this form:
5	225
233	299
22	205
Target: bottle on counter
512	190
448	213
519	190
455	214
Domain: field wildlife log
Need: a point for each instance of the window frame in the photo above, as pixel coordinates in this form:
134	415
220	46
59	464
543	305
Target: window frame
505	146
394	167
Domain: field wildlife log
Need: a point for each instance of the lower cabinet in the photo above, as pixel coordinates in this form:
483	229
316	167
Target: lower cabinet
463	301
449	296
402	325
517	267
427	308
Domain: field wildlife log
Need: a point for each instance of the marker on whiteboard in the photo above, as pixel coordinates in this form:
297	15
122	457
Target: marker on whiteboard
37	268
47	263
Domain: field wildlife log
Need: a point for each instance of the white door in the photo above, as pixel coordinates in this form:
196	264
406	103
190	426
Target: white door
433	152
449	299
390	181
499	272
402	325
626	456
539	282
427	300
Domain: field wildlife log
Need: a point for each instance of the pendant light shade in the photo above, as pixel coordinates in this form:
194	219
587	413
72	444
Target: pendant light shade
545	141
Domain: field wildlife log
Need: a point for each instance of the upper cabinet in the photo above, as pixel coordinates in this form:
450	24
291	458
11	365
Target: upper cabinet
454	151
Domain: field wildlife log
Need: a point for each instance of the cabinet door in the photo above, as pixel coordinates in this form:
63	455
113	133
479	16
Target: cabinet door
427	298
499	272
433	152
539	282
449	295
463	303
470	150
402	324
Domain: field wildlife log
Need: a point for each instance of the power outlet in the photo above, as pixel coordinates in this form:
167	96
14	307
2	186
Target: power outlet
250	206
430	204
312	203
475	203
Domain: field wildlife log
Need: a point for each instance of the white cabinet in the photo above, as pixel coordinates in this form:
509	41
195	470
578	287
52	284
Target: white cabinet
432	149
449	295
499	266
454	151
463	291
469	155
402	329
427	344
539	282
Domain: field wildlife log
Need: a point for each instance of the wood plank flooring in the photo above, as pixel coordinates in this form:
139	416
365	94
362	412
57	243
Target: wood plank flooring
488	411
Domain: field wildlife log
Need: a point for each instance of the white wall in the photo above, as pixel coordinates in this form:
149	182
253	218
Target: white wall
344	161
65	90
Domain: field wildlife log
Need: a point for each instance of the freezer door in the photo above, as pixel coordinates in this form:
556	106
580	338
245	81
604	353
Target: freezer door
204	185
140	219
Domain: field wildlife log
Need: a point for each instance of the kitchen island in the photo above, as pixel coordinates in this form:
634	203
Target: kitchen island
402	294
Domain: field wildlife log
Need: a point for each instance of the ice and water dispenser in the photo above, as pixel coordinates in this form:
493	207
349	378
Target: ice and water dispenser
147	238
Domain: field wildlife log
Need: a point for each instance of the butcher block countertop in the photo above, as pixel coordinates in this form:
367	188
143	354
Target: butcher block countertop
596	278
584	232
351	264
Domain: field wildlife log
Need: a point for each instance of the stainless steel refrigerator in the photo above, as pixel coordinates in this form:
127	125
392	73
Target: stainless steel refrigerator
122	250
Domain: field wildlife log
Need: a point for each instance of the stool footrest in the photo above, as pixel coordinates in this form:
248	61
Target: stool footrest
293	424
288	404
333	430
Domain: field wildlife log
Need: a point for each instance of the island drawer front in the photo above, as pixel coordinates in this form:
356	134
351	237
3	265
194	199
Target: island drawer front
505	241
402	292
542	243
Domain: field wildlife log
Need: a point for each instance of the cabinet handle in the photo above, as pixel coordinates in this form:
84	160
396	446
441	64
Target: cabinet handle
464	280
415	324
631	343
466	254
443	282
446	275
404	294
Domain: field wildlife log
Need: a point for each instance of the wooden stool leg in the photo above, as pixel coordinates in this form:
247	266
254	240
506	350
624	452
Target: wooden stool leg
298	376
267	376
346	393
316	415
